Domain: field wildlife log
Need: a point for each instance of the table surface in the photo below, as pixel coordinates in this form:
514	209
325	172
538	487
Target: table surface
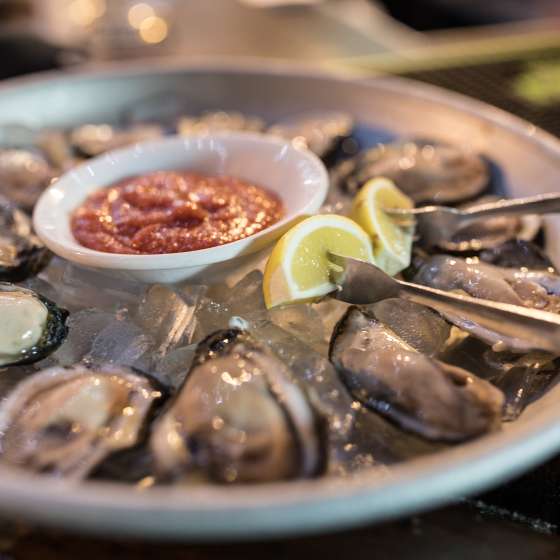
460	532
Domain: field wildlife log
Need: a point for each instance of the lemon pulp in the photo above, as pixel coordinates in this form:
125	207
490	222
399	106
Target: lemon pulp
392	242
298	268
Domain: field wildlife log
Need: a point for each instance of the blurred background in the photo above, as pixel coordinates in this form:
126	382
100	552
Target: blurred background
41	34
506	52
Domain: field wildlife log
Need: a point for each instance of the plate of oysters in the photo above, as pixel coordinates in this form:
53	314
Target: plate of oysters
388	345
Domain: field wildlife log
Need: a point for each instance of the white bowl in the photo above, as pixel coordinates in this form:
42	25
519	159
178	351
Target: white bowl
296	175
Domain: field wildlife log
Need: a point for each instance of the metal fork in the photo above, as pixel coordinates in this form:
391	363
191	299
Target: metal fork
360	282
439	223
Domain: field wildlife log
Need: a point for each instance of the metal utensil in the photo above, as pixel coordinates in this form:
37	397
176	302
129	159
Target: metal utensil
360	282
439	223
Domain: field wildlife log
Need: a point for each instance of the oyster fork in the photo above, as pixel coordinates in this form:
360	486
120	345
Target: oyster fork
439	223
361	282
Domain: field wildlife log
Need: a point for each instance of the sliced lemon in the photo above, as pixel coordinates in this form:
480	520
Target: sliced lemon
298	269
392	242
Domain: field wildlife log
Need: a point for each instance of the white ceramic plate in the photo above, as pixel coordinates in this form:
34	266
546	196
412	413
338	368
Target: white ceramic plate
530	163
297	176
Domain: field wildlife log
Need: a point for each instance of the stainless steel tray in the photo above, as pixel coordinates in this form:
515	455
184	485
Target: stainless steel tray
385	107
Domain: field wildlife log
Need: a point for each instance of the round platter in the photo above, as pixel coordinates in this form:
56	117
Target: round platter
385	108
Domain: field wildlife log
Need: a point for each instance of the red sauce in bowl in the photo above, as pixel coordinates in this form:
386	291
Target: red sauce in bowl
172	212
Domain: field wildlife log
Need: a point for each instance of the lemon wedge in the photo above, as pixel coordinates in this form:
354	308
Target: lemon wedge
298	269
392	242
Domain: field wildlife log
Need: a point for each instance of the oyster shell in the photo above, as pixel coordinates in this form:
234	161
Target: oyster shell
422	395
65	422
490	233
218	121
426	171
318	132
518	253
91	140
24	175
33	326
239	417
22	254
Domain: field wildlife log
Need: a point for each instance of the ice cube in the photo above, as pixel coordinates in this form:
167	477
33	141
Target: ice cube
174	366
244	301
122	342
42	287
246	296
304	322
317	375
331	311
168	315
79	288
246	265
83	328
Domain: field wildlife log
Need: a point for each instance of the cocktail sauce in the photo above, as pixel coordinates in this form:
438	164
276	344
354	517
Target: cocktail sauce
173	211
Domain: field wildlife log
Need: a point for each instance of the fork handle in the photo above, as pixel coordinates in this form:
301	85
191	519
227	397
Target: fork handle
535	329
548	203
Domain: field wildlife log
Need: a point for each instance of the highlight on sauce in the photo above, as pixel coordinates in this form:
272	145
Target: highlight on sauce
172	212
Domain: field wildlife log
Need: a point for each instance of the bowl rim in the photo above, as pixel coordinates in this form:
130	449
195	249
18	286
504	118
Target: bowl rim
44	222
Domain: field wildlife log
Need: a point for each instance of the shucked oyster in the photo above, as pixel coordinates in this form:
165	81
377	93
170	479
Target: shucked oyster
530	288
539	289
32	326
91	140
65	422
490	233
318	132
22	254
24	175
425	171
218	121
423	395
238	417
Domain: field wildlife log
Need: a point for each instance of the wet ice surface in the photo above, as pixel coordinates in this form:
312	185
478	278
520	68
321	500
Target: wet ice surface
120	322
156	328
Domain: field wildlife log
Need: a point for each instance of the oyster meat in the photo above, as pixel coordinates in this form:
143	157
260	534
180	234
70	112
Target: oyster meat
426	171
239	417
65	422
32	326
519	286
422	395
22	254
24	175
539	289
421	327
